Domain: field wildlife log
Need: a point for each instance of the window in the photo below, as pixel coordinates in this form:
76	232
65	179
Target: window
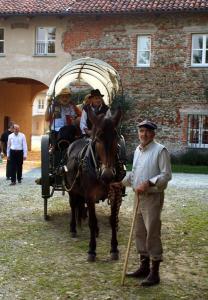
143	50
1	40
40	104
199	50
45	40
198	131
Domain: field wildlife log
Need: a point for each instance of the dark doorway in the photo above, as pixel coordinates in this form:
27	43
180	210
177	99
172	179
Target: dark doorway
6	122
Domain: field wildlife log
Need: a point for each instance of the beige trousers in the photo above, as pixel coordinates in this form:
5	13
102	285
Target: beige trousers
148	225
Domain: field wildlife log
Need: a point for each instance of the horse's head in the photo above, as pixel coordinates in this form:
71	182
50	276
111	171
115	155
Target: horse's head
105	138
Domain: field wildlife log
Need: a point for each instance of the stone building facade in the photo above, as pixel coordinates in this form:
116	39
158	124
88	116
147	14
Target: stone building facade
160	52
170	90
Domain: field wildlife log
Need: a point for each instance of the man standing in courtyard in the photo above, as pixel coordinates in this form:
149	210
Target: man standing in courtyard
149	177
16	153
4	140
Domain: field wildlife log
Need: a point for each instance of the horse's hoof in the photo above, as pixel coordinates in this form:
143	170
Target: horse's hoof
46	218
91	257
73	234
114	255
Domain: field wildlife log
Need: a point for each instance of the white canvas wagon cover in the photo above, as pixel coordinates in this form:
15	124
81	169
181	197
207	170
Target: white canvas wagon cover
96	73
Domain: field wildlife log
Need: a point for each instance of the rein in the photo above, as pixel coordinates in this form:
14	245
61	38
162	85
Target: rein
81	156
97	170
85	155
74	181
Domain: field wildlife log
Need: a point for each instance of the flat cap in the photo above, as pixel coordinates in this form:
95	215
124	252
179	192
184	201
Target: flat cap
147	124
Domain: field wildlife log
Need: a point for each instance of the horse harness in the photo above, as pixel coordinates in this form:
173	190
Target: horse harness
86	161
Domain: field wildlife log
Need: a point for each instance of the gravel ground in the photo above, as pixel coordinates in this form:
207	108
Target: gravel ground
39	260
182	180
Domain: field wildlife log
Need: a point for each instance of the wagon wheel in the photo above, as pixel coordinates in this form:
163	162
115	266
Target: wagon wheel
45	172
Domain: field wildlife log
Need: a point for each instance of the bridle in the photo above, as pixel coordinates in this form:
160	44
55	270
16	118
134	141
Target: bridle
95	162
98	165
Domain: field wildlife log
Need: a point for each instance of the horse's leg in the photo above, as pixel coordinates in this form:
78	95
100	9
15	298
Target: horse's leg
82	209
115	206
93	230
73	216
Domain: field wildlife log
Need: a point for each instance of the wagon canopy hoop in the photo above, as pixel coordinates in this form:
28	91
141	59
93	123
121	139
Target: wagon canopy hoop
96	73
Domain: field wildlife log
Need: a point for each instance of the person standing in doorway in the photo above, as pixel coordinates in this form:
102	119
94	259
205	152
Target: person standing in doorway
16	153
4	140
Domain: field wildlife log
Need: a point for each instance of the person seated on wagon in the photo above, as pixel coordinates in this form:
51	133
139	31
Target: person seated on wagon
99	107
64	116
86	101
97	104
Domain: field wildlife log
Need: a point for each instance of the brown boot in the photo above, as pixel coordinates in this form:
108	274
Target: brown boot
153	277
143	269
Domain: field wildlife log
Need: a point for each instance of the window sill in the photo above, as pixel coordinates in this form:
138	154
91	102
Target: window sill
44	55
142	66
2	55
199	66
205	146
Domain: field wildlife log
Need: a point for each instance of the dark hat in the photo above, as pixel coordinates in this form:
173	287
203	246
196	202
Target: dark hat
147	124
94	93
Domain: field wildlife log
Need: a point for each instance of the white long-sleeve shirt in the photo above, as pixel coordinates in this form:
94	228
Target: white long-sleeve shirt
17	142
61	121
83	120
150	163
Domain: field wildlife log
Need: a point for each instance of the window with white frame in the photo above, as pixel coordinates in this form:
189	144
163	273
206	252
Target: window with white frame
199	50
45	40
40	104
143	50
1	40
198	131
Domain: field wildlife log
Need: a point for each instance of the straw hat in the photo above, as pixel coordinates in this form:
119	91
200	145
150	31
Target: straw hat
65	91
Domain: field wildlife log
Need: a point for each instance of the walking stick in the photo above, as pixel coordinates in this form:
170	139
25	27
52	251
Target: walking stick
129	242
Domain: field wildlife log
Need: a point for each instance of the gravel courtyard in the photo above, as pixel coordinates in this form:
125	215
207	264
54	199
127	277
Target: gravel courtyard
39	259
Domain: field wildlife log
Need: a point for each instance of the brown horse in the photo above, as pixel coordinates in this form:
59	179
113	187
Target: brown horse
91	167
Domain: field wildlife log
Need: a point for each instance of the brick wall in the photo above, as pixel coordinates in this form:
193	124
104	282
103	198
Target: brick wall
170	85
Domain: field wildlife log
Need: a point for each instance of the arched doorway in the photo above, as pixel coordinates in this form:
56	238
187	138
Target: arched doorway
16	101
39	126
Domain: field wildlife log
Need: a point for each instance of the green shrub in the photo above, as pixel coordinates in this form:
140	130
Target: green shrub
121	101
189	169
194	157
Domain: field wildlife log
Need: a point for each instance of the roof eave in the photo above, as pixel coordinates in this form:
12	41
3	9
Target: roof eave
101	13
